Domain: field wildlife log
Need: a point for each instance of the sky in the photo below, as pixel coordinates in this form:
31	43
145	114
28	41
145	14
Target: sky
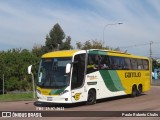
25	23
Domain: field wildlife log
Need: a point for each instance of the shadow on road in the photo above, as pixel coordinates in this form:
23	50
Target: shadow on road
43	104
116	98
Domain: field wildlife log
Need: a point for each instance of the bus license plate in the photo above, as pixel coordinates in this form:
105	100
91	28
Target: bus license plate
49	98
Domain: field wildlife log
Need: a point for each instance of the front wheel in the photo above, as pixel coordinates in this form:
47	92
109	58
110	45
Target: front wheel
91	97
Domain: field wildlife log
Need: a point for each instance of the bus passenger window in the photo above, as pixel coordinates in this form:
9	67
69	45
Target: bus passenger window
93	64
104	62
121	63
112	63
127	64
145	64
140	64
134	64
91	67
117	63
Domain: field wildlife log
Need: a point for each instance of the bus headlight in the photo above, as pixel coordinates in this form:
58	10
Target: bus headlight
65	91
38	91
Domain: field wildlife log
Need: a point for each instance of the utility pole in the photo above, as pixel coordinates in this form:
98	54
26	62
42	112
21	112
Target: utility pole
34	92
107	26
3	84
151	49
151	42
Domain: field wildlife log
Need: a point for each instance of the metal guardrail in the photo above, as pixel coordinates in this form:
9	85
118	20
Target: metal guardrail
19	92
155	82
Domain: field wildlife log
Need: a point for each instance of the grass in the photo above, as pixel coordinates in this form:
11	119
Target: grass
16	97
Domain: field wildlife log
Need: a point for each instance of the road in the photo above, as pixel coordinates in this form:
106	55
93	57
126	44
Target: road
149	101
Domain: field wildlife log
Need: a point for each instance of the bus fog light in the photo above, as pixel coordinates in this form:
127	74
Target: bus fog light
66	99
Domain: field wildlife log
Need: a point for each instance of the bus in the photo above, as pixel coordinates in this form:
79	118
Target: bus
72	76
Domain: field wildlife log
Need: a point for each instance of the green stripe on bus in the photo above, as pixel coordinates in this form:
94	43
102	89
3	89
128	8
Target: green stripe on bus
98	52
116	80
108	80
56	92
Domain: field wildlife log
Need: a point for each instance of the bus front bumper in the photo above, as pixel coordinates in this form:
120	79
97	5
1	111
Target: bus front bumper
54	98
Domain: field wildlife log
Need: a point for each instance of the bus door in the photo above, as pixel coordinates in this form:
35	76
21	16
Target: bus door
78	78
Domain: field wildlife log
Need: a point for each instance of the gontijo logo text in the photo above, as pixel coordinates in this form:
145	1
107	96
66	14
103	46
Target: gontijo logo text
132	74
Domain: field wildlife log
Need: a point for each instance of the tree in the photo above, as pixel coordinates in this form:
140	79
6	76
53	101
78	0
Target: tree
54	38
14	65
66	45
38	50
155	63
79	45
94	44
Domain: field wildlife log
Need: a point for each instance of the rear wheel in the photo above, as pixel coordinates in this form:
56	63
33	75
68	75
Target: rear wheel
139	89
91	97
134	91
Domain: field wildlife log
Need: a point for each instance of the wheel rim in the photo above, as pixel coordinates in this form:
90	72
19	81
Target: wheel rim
134	92
91	97
140	90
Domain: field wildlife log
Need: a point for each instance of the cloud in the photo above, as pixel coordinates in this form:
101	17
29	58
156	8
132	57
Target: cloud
85	20
21	29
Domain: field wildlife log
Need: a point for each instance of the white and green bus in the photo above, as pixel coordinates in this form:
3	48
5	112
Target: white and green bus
87	75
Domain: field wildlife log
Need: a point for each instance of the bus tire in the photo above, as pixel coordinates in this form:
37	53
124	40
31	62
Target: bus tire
91	97
139	90
134	91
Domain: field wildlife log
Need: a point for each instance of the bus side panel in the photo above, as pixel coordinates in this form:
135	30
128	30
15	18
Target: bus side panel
131	77
104	85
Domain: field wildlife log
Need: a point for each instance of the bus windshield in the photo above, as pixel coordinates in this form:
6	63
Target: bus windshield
51	73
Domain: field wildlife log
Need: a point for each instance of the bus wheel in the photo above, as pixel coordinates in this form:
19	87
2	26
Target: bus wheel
134	91
139	89
91	97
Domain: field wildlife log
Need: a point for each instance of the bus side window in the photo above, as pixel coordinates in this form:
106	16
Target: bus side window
112	63
116	63
127	64
140	64
104	62
145	64
134	64
92	64
121	63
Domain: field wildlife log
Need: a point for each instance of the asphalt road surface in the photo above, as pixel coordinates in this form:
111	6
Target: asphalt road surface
149	101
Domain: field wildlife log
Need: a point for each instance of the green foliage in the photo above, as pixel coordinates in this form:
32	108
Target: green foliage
155	64
12	84
54	40
16	97
14	67
66	45
38	50
94	44
55	37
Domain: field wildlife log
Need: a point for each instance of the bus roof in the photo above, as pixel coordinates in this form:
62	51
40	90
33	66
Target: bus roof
118	53
69	53
63	53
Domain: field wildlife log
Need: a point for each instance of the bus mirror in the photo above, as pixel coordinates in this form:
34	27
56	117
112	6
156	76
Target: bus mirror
30	69
75	62
68	68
